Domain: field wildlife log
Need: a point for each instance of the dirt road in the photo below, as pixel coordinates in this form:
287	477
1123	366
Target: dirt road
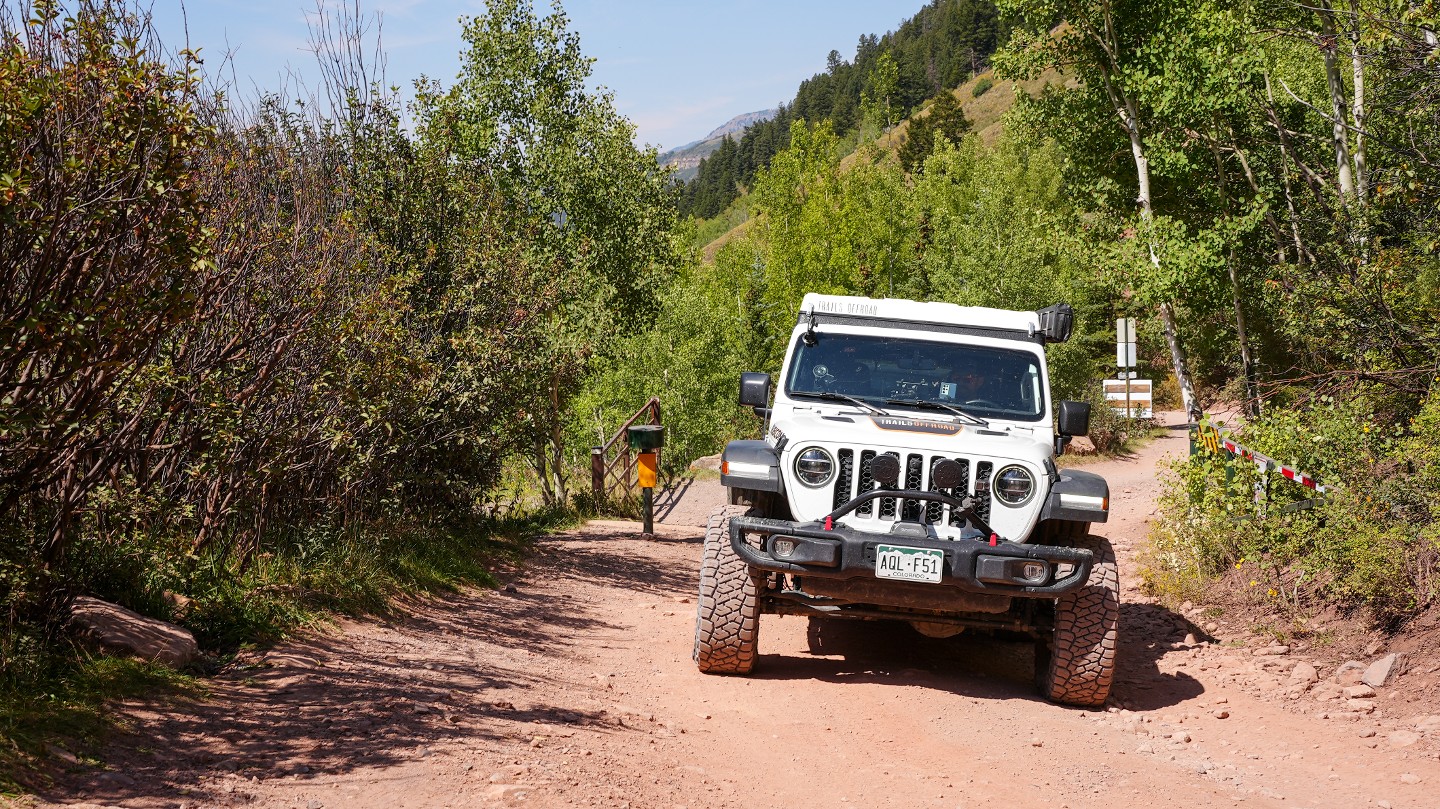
575	687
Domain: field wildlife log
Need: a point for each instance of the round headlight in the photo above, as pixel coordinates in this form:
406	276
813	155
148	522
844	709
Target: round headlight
1014	485
814	467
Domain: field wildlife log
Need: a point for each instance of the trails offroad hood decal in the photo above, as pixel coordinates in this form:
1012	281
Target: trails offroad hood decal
916	425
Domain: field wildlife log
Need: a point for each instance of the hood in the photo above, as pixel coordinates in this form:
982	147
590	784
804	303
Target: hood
903	429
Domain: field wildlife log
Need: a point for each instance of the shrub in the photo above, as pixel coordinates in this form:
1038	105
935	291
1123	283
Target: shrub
982	86
1371	542
1110	431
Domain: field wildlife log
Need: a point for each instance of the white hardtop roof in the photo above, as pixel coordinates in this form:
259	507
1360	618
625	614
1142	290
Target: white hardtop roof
920	311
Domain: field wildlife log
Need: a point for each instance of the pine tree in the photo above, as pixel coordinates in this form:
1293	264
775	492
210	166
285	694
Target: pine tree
945	117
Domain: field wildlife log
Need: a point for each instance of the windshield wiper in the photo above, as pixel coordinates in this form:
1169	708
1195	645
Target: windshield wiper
832	396
925	405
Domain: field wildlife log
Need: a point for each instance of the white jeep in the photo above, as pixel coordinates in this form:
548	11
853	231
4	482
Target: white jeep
908	473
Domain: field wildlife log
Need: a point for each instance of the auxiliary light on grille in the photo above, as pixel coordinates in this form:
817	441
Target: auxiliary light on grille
863	470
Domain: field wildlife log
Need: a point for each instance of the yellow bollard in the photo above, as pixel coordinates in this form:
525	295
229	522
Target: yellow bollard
645	441
648	467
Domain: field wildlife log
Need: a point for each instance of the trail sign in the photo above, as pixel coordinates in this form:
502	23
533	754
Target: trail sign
1125	342
1130	397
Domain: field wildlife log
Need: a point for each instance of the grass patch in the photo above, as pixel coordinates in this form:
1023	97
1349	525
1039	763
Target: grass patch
54	692
52	718
310	578
706	231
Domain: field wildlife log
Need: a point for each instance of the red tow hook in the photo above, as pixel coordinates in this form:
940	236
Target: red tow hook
829	524
994	540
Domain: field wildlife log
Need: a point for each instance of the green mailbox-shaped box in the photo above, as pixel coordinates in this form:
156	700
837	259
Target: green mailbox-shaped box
646	437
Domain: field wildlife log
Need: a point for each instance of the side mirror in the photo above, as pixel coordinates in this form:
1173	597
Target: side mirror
1056	322
1074	418
754	389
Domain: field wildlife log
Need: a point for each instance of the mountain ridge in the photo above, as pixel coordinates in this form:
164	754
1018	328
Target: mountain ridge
686	159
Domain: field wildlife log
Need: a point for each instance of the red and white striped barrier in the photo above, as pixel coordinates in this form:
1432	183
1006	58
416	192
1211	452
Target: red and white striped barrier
1264	462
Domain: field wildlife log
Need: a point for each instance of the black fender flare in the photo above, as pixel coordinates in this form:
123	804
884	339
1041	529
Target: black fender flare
1078	496
751	464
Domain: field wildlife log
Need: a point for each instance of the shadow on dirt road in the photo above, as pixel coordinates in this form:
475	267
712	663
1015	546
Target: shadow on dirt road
975	663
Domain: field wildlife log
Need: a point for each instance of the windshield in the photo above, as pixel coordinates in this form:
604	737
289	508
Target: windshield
992	382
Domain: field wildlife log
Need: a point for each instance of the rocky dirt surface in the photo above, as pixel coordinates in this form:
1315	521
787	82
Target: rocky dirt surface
573	686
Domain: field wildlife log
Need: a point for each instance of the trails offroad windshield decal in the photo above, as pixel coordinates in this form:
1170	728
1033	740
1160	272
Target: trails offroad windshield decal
910	425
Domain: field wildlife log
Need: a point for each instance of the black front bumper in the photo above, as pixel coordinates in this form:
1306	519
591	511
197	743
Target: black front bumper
844	553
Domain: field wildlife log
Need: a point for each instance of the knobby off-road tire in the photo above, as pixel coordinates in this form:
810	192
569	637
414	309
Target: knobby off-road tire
727	619
1063	532
1081	665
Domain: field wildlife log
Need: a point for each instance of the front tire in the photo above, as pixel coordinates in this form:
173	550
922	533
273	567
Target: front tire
1081	665
727	620
1063	532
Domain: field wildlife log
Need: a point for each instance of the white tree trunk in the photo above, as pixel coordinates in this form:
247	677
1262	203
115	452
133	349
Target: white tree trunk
1125	109
1301	254
1177	358
1427	31
1357	106
1329	45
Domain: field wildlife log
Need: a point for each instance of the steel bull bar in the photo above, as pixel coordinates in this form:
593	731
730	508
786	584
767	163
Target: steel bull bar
995	566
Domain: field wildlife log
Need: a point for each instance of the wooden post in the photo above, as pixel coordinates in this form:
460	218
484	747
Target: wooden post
597	474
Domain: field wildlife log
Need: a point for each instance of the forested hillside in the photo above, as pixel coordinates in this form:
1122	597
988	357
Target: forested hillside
685	160
943	45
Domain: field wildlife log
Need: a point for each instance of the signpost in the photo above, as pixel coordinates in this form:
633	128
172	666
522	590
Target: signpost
1125	343
1133	397
1125	360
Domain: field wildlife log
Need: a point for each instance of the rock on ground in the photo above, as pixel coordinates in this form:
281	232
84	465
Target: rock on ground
1380	672
117	629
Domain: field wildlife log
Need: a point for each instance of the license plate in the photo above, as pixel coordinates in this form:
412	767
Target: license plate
908	564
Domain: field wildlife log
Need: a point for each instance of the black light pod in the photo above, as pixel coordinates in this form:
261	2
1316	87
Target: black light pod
886	471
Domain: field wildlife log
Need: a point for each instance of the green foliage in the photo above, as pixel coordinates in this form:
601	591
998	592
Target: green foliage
982	86
877	110
717	183
1276	231
277	362
1369	543
102	238
1000	227
702	232
944	119
691	358
596	252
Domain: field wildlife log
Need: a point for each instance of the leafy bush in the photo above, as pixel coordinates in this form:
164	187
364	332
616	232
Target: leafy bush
276	361
982	86
1111	431
1370	543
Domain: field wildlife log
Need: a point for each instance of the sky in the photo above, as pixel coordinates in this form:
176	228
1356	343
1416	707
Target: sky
678	69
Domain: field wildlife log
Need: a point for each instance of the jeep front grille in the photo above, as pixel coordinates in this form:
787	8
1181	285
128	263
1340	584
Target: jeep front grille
844	476
854	478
